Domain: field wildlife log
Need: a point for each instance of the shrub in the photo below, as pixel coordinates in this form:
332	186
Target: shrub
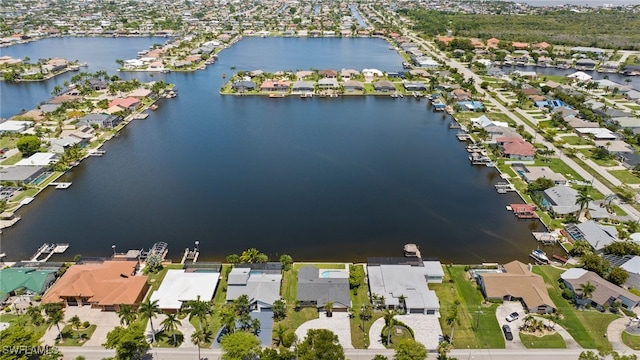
37	298
86	324
567	294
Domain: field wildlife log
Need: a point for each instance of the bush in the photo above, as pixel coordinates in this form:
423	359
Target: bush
7	309
86	324
37	298
567	294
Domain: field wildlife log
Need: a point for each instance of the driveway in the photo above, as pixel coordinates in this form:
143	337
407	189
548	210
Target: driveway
502	312
339	323
426	328
375	340
105	321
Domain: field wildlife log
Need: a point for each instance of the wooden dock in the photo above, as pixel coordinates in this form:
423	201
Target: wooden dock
49	250
503	188
140	116
190	255
545	237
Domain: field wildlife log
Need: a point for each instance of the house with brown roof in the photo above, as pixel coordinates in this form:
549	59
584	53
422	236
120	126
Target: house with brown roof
517	282
328	73
104	285
516	148
493	43
275	85
461	95
605	293
445	40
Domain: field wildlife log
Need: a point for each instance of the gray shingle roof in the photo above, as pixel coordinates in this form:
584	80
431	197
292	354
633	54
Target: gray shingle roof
311	287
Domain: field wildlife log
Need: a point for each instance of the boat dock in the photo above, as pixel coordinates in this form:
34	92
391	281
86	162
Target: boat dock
140	116
545	237
411	250
190	255
60	185
96	152
48	249
462	136
523	211
160	249
503	187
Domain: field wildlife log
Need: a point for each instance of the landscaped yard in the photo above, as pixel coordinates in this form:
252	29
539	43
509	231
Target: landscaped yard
560	167
552	341
625	176
154	280
359	297
398	333
588	327
463	295
290	295
76	337
632	341
576	140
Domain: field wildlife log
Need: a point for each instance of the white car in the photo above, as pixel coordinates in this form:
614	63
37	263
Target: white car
513	316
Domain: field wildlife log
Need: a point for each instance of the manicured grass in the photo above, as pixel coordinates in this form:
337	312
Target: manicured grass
289	291
359	297
587	327
456	288
632	341
12	160
8	142
625	176
165	339
576	140
552	341
221	292
154	280
75	337
319	266
398	333
560	167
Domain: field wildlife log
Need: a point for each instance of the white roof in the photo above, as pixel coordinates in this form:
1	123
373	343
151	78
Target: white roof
13	125
582	76
372	72
573	273
41	159
598	133
433	268
632	265
179	286
393	281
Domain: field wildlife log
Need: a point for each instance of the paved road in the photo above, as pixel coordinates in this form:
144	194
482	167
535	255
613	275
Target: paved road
467	73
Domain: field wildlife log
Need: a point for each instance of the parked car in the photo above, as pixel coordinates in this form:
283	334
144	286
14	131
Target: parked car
507	332
513	316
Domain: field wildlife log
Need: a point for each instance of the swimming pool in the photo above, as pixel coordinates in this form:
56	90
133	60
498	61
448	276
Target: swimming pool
335	274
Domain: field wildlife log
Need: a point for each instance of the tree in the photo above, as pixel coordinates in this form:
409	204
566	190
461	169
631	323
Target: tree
444	347
126	314
35	315
201	337
540	184
75	322
15	336
55	319
252	256
328	308
588	355
583	199
170	324
587	290
199	309
239	346
408	349
580	247
389	321
28	145
279	309
149	310
622	248
320	344
617	275
129	343
233	259
286	261
380	357
595	263
356	276
280	332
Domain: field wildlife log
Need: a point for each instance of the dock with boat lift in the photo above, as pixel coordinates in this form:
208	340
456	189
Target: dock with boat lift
97	152
49	250
140	116
504	187
191	254
546	238
60	185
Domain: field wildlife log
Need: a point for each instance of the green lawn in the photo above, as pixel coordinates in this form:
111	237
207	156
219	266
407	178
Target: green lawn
12	160
289	291
553	341
165	339
8	142
76	337
462	290
632	341
625	176
398	333
360	329
576	140
154	280
587	327
560	167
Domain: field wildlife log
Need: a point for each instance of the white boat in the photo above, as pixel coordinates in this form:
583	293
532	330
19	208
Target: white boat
539	255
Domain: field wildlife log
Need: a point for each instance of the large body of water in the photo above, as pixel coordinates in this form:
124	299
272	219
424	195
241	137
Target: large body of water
320	179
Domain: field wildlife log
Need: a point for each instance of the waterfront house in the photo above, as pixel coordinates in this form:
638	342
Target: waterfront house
243	86
516	148
605	293
302	87
180	286
598	236
597	133
100	120
586	64
384	86
347	74
461	95
561	200
39	159
316	287
27	280
533	173
261	286
21	174
370	74
140	93
414	86
328	83
275	86
631	264
517	282
55	64
303	74
129	103
105	285
353	85
396	278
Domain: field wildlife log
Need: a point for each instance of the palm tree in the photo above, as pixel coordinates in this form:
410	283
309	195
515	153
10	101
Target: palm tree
55	319
35	315
587	289
150	309
200	337
388	322
75	322
253	255
328	307
583	199
170	324
200	309
126	314
280	332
